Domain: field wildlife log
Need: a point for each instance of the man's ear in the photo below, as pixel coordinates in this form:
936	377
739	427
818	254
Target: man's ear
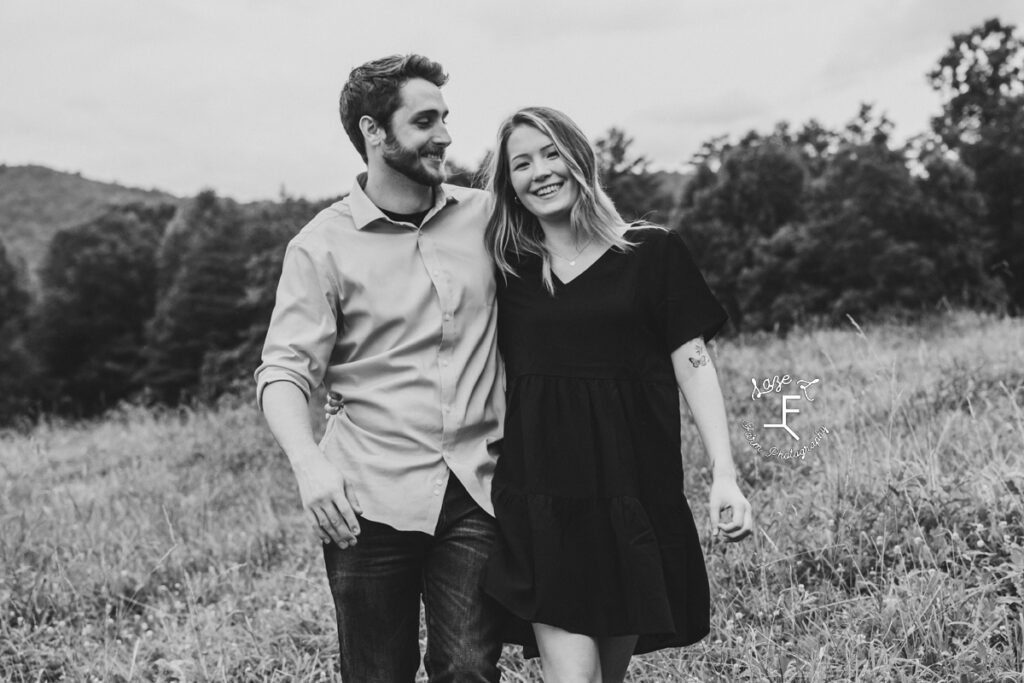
373	132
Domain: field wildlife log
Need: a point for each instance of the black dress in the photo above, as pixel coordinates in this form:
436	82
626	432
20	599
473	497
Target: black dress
595	535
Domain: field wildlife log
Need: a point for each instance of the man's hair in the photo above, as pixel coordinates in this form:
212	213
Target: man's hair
372	89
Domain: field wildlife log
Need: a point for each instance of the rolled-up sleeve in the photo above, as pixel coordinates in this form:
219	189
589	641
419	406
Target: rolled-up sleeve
303	327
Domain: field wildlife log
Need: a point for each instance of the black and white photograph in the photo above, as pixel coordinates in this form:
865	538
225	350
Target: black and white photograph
388	342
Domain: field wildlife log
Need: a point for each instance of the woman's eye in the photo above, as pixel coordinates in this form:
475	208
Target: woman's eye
553	154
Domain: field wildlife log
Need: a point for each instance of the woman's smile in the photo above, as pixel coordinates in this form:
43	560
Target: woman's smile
547	190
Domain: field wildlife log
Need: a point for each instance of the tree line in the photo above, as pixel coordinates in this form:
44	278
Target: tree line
793	226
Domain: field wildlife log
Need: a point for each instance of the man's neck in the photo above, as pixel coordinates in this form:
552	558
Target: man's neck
388	189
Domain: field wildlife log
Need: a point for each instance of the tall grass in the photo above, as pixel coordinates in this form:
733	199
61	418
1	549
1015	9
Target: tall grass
169	545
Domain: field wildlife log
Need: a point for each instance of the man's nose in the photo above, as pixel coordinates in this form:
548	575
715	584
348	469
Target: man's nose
441	135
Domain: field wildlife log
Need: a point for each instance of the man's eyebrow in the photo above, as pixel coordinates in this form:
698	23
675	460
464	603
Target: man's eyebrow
431	112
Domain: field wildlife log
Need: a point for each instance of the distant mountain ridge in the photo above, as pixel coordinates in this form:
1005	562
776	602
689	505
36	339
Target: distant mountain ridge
36	202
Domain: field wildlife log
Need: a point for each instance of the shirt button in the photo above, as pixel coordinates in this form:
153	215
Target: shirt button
436	273
444	364
447	316
437	492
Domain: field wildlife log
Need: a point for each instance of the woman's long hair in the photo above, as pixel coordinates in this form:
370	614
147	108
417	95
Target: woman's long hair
512	230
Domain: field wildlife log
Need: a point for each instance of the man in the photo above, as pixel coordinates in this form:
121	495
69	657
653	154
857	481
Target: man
387	297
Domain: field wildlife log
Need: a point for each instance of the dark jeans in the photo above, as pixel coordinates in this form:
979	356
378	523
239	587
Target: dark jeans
377	585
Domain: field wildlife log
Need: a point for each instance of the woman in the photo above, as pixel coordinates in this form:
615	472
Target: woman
600	326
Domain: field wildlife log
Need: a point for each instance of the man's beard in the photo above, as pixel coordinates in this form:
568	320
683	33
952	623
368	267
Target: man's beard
407	161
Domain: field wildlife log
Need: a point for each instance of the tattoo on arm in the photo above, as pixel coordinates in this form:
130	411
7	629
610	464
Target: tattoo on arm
701	358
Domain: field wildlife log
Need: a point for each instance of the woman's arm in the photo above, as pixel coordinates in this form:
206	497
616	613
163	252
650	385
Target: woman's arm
698	380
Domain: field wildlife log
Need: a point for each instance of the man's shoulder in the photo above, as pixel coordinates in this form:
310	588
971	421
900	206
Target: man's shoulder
468	195
470	207
334	219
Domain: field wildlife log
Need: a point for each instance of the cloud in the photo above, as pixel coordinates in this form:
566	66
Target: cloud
241	95
528	21
913	33
726	110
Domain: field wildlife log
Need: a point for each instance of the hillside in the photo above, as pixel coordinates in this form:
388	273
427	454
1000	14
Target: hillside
171	545
36	202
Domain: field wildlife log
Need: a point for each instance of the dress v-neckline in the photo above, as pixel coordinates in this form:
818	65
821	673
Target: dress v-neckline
581	273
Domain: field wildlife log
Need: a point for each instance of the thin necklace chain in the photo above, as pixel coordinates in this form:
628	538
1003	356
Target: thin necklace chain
572	261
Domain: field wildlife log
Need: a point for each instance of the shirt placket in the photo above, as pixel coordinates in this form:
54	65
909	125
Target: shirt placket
442	285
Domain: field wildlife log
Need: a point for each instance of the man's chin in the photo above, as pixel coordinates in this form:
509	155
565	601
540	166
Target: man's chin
422	175
428	178
438	176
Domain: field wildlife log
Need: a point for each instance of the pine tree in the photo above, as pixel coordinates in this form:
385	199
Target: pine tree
17	385
98	290
202	272
981	80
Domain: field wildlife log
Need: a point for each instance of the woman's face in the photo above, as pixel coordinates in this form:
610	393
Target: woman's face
539	175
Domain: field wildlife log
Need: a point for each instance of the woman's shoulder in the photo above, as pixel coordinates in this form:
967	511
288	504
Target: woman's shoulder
657	250
648	234
650	240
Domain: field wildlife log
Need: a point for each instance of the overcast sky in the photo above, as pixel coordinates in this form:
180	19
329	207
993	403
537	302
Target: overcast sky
240	95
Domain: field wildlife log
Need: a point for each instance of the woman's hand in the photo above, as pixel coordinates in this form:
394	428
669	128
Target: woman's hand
727	502
335	403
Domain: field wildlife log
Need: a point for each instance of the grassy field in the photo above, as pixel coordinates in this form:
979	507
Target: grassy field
170	545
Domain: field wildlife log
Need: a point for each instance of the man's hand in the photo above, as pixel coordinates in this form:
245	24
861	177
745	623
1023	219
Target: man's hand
726	496
329	500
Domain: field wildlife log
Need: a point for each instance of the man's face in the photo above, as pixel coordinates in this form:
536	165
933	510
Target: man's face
418	135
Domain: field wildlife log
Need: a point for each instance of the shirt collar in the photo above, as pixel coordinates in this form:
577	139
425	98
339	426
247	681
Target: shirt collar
365	212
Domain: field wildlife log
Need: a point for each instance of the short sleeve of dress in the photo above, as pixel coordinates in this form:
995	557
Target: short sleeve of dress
686	306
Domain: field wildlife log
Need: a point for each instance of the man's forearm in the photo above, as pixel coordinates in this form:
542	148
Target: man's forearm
287	415
325	494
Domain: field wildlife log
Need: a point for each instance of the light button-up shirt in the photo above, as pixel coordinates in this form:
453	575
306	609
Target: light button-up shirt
400	320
